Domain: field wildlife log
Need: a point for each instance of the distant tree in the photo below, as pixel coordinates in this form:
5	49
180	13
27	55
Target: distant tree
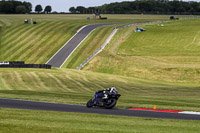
7	7
80	9
38	8
28	6
12	6
191	11
21	9
198	9
72	9
91	9
54	12
48	9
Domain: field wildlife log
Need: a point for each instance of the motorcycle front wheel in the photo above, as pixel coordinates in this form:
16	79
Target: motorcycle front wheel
90	103
110	104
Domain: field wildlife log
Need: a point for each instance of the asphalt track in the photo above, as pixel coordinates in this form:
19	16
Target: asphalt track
33	105
63	54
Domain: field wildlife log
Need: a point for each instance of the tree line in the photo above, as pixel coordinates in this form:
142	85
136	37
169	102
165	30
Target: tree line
15	7
39	9
143	6
18	7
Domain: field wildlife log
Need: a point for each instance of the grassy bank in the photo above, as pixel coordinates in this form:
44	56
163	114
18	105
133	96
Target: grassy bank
30	42
47	121
169	53
77	87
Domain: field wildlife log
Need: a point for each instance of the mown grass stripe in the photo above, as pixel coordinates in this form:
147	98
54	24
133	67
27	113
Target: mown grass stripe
10	80
25	42
57	82
15	35
38	82
34	81
50	40
62	40
20	79
64	84
72	83
25	35
9	31
11	48
31	52
30	44
3	84
47	81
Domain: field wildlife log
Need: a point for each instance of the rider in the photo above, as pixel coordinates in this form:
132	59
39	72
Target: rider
108	91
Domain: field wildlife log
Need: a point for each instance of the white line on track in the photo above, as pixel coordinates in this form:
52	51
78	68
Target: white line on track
190	112
76	47
66	43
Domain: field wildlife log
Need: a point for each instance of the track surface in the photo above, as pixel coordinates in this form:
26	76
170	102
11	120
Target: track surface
60	57
33	105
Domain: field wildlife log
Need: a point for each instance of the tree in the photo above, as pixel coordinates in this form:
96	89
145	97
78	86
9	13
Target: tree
7	7
21	9
28	6
91	9
12	6
38	8
48	9
80	9
72	9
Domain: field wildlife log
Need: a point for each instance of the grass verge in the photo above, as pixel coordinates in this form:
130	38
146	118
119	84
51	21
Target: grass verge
13	120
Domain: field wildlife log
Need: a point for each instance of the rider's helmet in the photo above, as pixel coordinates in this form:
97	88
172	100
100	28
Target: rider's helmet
113	90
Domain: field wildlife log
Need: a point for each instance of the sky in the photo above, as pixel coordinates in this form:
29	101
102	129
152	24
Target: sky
64	5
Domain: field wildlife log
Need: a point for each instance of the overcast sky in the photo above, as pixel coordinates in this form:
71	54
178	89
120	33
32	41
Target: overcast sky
64	5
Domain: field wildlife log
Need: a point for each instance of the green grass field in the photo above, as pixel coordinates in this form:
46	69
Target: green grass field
18	121
157	67
169	53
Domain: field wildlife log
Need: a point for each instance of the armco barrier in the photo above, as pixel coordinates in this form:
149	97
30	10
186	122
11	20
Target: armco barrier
21	64
98	50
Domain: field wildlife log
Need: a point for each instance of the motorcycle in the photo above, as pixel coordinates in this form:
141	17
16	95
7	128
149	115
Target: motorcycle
107	103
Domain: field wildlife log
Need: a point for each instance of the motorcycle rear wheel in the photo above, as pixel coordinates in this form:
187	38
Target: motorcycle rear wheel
90	103
111	104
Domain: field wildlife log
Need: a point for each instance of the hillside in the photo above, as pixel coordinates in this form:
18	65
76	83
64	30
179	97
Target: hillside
169	53
77	87
30	42
26	42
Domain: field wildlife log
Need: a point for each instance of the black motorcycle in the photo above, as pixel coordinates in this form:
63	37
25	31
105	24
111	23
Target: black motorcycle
107	103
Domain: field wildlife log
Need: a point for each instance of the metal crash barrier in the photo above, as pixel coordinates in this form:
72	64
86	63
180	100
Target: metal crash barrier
21	64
